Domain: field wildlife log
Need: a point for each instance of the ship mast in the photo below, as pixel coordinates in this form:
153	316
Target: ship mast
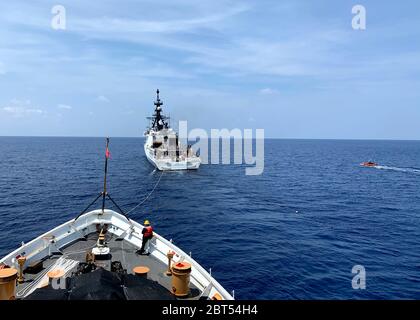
105	174
104	194
158	119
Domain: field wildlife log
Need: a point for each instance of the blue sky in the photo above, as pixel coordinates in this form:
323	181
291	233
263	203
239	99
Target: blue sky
295	68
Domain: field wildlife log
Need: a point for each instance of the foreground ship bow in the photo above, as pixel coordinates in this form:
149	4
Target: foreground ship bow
94	257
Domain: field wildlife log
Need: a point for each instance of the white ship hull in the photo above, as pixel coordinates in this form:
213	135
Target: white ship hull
166	164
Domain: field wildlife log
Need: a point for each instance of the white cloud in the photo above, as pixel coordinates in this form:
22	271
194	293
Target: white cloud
25	102
110	27
102	99
22	108
2	70
267	91
22	111
128	112
64	106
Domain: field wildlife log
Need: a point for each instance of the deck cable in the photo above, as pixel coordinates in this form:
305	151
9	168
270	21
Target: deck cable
147	197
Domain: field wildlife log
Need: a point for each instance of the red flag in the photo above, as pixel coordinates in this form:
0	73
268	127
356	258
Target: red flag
107	153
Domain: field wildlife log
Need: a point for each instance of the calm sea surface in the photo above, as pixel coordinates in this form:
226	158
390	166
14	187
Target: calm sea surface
294	232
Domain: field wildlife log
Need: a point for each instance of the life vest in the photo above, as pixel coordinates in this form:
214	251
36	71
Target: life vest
149	232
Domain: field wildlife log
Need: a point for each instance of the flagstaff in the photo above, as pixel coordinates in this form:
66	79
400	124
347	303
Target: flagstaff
106	170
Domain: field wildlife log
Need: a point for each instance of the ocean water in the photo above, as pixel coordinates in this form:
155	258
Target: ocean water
294	232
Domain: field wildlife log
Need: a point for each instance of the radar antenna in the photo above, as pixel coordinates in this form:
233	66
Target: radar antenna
159	120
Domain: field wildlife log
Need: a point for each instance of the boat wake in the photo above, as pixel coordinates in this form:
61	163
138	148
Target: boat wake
408	170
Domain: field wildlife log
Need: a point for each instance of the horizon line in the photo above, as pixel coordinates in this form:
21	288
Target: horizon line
266	138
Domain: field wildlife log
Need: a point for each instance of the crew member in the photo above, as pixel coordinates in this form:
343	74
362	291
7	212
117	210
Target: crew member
147	235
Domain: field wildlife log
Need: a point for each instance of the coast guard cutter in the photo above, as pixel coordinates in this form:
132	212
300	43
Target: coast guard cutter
162	146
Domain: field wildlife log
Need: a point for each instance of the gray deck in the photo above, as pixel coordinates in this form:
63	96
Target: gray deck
121	250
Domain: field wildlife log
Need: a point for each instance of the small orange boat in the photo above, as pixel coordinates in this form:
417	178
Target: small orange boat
369	164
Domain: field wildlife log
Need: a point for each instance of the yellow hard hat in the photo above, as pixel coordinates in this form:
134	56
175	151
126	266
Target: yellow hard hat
146	222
